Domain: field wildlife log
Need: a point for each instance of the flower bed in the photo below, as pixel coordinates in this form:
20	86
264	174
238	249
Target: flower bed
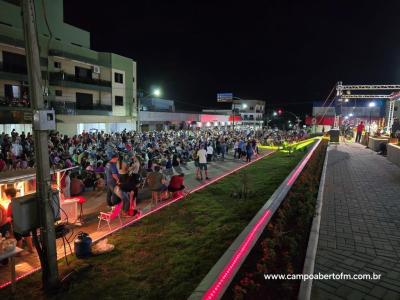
393	153
282	247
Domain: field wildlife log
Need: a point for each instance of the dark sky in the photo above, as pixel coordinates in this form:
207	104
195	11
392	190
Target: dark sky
280	51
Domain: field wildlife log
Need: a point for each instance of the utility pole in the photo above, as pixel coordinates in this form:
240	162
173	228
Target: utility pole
233	115
139	97
43	179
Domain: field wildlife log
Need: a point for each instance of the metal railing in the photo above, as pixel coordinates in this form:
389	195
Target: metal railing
14	102
62	76
71	108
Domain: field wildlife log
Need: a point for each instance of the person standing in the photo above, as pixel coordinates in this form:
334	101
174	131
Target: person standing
210	152
223	149
202	154
236	149
195	157
360	129
249	152
112	177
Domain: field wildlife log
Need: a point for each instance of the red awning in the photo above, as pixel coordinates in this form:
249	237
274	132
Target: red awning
237	118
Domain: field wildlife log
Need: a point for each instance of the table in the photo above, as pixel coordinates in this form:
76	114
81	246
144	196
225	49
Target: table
11	256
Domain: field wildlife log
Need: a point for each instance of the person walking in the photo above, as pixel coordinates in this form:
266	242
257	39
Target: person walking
360	129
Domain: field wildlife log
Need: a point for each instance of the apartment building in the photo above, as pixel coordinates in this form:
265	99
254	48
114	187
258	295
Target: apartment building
87	89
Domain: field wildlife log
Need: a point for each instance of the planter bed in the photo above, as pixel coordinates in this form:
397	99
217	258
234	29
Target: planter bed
373	143
168	253
282	246
393	153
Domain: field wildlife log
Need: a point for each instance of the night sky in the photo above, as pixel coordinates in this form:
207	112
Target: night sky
280	51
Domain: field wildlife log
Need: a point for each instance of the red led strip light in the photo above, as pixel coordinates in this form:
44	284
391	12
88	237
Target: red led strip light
225	277
240	254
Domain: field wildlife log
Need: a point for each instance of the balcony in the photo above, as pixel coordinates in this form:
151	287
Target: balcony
68	80
70	108
13	72
15	102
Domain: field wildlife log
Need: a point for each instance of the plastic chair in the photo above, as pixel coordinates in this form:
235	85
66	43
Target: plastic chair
108	217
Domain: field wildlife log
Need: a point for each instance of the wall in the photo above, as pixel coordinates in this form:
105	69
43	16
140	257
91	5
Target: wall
11	14
7	128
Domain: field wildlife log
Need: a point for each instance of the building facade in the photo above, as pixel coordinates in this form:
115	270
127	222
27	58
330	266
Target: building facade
87	89
244	112
250	111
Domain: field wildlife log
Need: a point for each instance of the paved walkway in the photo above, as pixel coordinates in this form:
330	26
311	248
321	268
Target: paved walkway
96	202
360	225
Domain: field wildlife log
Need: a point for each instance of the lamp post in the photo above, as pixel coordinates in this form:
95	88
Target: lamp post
370	105
155	93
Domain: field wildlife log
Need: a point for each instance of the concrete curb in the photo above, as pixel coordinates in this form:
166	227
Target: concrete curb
309	262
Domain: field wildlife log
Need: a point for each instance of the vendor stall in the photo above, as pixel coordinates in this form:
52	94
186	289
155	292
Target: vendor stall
24	181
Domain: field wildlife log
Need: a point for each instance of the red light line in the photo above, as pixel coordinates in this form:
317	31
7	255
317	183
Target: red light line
150	212
226	275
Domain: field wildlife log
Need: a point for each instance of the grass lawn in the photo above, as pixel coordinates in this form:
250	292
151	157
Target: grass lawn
166	255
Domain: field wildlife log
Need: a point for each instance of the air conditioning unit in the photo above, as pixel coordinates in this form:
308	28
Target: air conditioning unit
96	69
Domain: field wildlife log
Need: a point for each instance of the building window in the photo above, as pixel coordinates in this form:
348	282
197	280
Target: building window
59	93
84	101
251	108
57	65
119	101
133	79
118	77
83	73
14	63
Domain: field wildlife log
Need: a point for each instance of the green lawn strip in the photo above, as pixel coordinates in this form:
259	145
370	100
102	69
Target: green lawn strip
167	254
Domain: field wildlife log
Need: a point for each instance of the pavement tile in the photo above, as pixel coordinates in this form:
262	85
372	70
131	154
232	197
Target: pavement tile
362	213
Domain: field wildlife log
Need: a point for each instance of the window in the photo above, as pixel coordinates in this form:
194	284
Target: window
14	63
133	79
83	73
84	101
119	101
59	93
251	108
57	65
12	91
118	77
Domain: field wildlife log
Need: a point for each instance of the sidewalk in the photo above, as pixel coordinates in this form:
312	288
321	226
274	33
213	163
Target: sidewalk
96	202
360	225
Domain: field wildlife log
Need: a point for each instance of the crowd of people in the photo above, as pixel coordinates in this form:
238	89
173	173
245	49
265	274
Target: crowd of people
91	150
123	162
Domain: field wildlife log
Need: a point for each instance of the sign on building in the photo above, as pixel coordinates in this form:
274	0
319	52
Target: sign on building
224	97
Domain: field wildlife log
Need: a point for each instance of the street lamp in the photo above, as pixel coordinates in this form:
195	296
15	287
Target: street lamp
154	93
244	105
157	92
275	113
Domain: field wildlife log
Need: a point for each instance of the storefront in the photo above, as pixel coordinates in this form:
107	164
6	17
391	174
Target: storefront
24	182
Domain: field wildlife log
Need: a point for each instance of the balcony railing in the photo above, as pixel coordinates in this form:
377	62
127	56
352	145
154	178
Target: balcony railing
62	76
13	68
70	108
15	102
